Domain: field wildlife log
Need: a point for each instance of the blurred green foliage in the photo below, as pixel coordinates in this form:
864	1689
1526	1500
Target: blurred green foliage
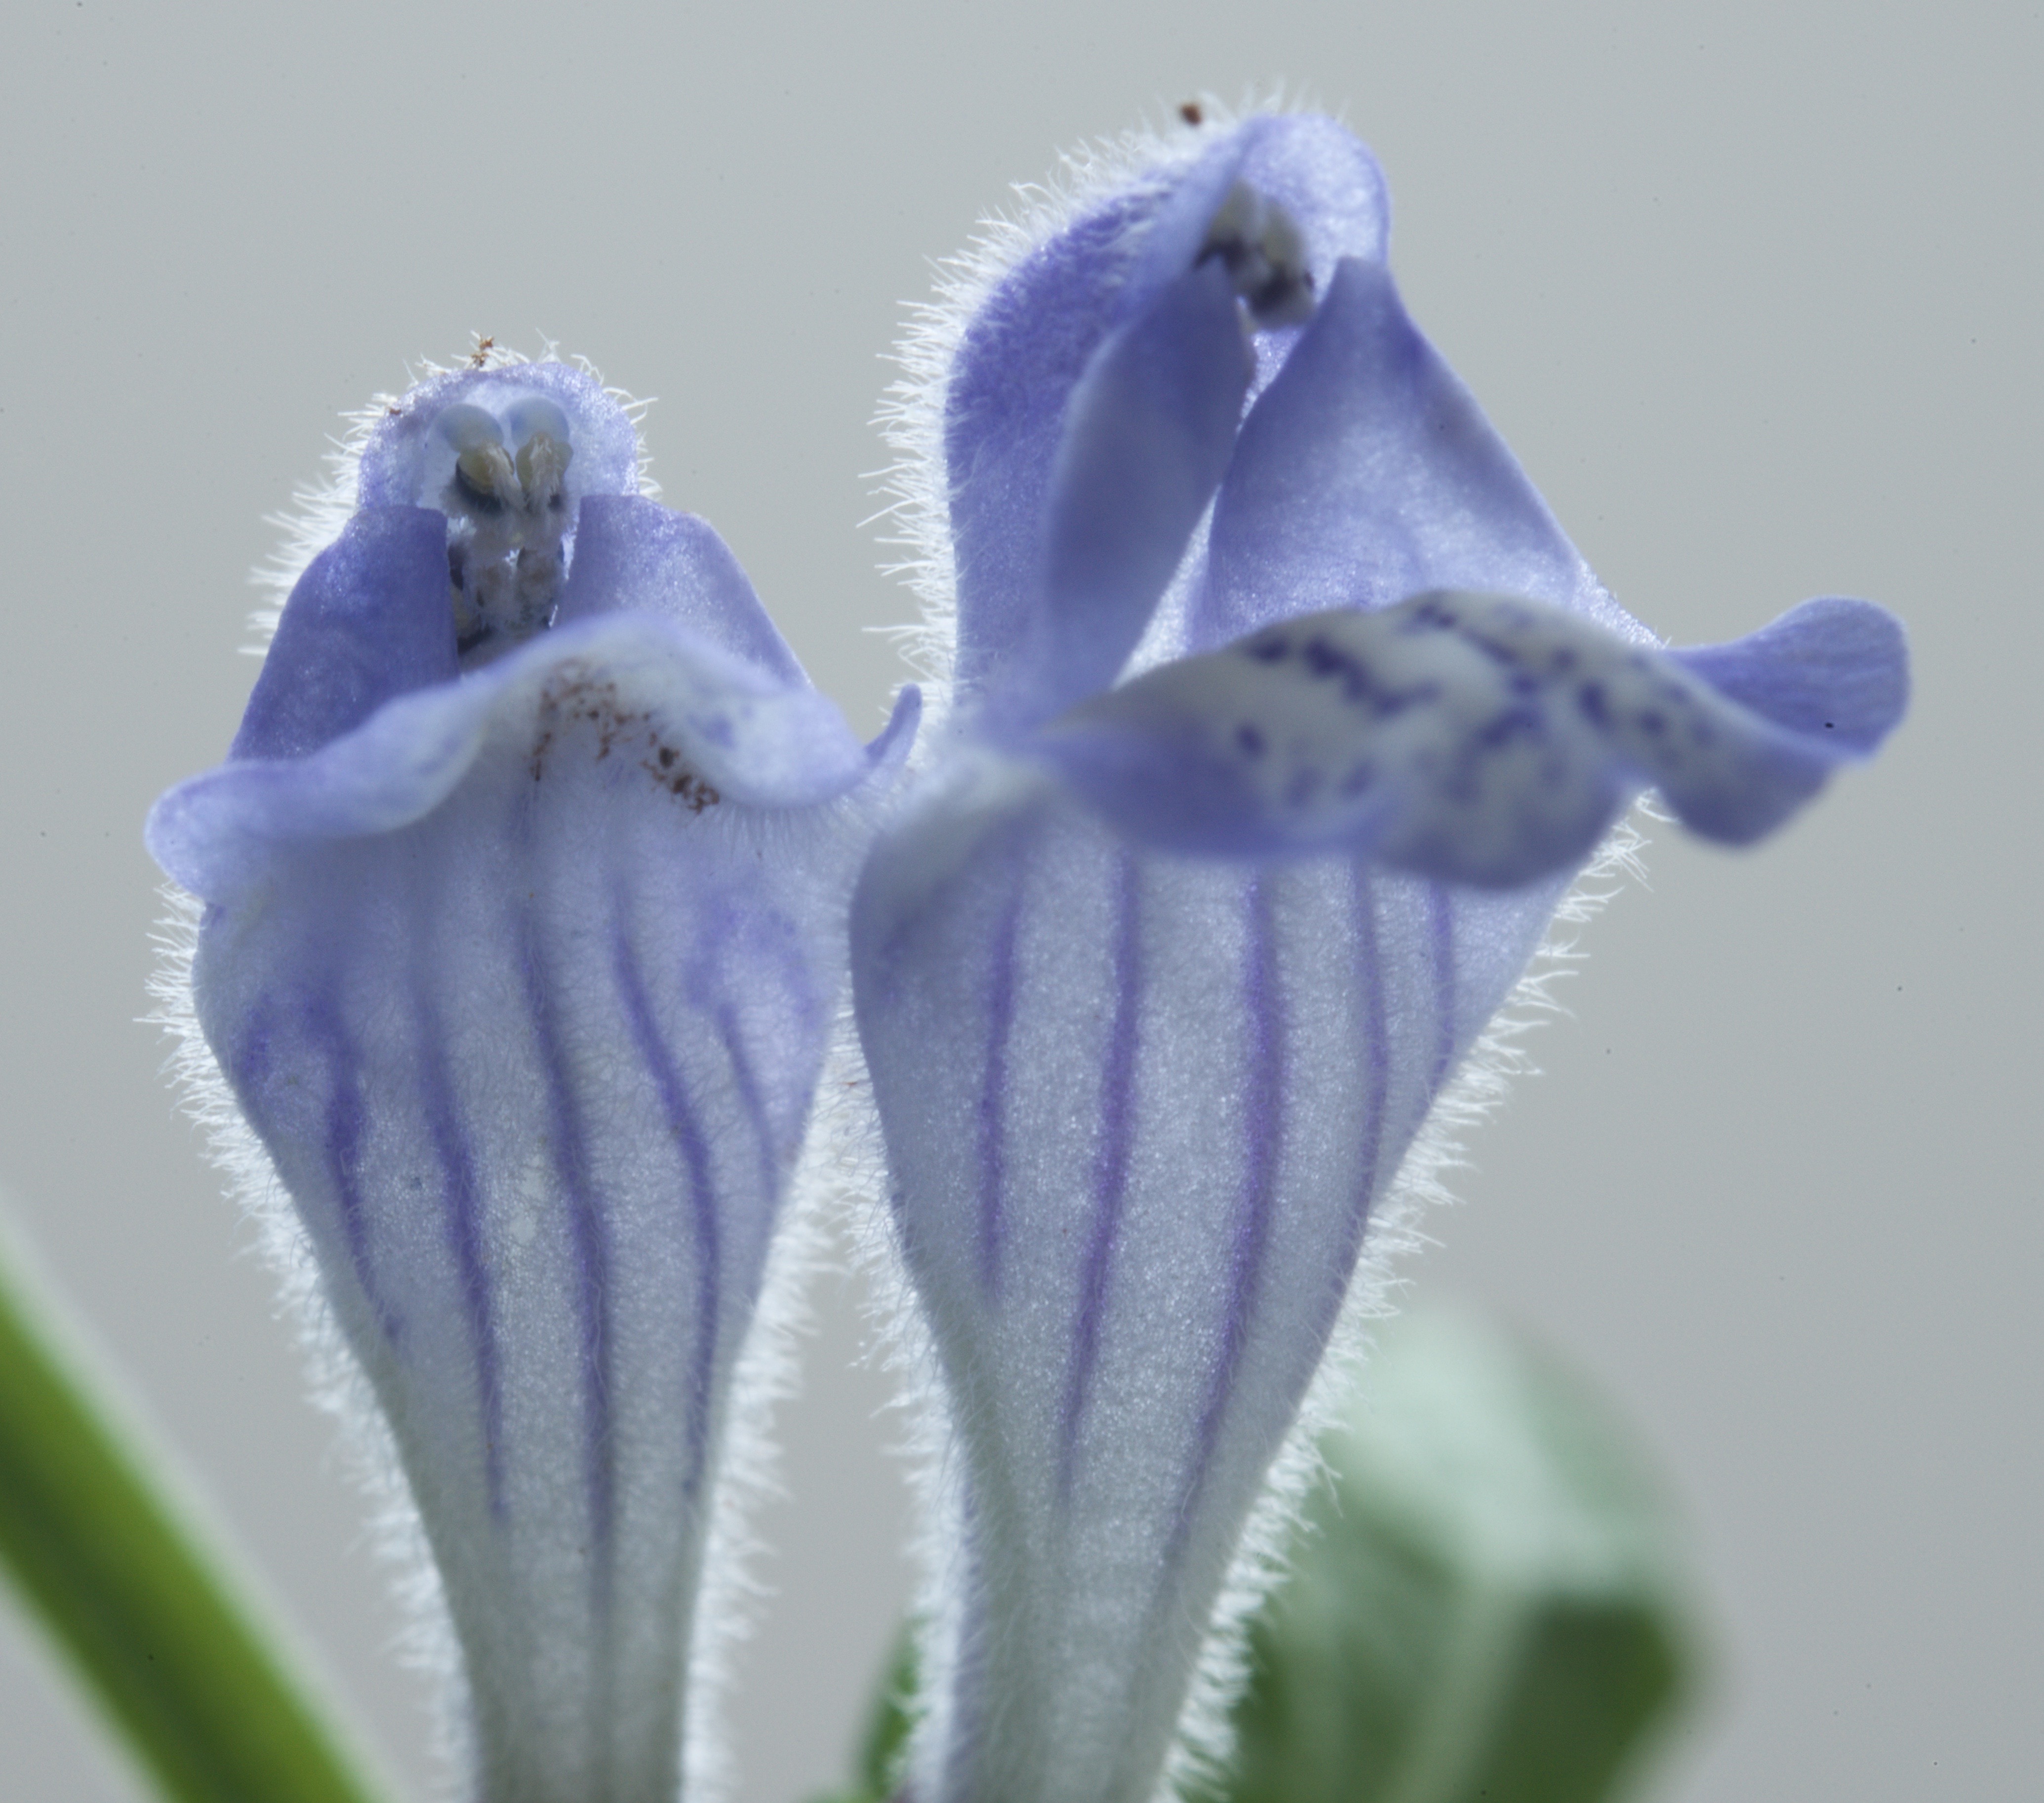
174	1655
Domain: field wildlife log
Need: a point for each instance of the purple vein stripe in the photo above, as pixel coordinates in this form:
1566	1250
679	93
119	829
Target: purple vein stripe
569	1146
464	1228
703	1227
1263	1129
346	1123
1110	1180
1441	929
254	1059
1373	1028
993	1090
774	1157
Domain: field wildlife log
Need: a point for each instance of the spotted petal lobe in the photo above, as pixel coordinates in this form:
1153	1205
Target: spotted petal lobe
1479	739
673	712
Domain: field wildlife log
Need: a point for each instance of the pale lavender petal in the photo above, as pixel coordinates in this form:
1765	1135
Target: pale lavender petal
1365	473
1834	668
534	1063
1185	1084
369	620
1478	739
1014	372
1029	346
634	555
674	716
1156	989
1146	436
522	948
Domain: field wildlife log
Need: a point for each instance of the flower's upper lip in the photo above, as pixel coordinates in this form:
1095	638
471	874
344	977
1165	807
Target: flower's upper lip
1019	362
404	463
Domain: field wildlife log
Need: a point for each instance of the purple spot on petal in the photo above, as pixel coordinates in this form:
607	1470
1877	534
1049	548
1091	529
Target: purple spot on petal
1513	723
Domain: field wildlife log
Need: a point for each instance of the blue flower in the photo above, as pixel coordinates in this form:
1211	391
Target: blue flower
525	887
1285	716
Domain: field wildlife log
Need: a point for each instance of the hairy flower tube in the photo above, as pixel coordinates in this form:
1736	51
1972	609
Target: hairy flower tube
1283	717
524	888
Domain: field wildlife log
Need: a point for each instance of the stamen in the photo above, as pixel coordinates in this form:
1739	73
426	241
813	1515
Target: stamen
1264	252
540	430
508	518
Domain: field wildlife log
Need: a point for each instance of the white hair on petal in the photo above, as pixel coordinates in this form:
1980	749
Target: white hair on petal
1206	1736
339	1386
747	1474
911	420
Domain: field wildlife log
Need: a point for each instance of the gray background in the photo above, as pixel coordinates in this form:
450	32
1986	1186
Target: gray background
1752	291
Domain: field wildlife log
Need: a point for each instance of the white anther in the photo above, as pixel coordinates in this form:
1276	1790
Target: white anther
533	414
1262	248
480	462
542	465
508	520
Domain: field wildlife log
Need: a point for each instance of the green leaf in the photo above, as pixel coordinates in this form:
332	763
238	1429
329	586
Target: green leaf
151	1623
887	1729
1487	1603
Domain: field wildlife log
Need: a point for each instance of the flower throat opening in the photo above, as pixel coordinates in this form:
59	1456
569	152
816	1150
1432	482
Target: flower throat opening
509	519
1263	251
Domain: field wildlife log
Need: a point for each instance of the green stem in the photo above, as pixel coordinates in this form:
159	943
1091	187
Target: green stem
151	1623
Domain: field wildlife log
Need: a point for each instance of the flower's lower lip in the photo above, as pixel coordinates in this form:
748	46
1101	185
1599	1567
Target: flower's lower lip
1479	739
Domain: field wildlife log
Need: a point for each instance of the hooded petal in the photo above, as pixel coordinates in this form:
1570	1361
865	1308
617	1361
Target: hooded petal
1150	429
525	979
1367	473
369	621
1137	1111
1039	333
1478	738
632	553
